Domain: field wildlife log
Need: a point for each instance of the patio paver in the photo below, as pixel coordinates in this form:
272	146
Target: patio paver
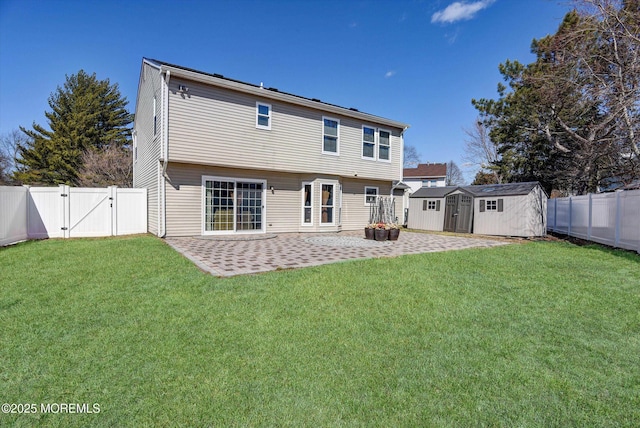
227	257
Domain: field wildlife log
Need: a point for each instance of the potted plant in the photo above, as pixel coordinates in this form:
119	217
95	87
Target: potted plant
369	231
394	232
381	232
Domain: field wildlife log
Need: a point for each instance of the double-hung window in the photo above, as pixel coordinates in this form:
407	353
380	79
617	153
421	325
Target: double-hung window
370	195
263	115
330	136
368	142
384	145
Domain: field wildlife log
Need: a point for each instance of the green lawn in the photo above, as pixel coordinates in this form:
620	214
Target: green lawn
540	334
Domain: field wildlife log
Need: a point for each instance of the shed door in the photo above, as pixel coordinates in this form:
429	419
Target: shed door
458	214
465	214
451	213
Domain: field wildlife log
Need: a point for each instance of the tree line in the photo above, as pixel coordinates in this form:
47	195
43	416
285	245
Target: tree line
571	119
87	141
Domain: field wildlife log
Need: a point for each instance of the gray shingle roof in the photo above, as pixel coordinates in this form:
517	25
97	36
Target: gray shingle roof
486	190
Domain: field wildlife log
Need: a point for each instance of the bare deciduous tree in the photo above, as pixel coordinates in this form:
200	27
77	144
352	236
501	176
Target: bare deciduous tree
109	167
454	175
480	151
9	143
411	156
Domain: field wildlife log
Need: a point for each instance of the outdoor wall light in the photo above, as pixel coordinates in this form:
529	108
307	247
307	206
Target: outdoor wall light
183	88
271	188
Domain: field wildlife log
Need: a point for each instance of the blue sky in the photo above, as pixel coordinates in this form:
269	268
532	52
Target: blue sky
418	62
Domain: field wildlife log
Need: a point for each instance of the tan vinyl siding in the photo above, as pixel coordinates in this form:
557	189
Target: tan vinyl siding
146	165
355	214
216	126
283	204
184	198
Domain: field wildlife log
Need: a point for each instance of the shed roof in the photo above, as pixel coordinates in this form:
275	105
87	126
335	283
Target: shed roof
433	192
485	190
426	170
508	189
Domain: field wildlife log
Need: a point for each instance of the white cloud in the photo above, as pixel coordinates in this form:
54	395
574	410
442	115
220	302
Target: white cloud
460	11
389	74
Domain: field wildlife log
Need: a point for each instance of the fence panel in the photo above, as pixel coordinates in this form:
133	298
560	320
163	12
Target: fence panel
580	216
608	218
603	223
562	215
629	228
13	214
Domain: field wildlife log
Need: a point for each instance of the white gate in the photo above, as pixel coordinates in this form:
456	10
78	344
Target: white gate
73	212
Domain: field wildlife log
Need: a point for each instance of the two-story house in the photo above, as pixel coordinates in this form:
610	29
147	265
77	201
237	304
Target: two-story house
222	156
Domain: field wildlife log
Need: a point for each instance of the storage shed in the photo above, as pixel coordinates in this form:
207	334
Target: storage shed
426	208
513	209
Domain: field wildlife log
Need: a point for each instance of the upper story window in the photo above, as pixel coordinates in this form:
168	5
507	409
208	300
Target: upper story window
368	142
429	183
263	115
155	118
330	136
384	145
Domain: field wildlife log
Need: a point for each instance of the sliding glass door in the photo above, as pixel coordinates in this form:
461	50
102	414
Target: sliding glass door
232	205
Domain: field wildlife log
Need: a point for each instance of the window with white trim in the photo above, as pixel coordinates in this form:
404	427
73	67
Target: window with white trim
263	115
330	136
155	118
368	142
370	195
384	145
307	204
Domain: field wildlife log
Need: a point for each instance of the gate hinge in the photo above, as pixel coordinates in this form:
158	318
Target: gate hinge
64	195
64	228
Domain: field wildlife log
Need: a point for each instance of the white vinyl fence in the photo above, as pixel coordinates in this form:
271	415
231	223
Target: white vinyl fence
608	218
70	212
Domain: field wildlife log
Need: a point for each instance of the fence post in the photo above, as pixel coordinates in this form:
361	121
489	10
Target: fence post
618	218
590	218
65	207
555	214
113	210
570	215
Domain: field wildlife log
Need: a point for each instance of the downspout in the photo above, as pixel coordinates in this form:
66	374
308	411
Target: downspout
162	227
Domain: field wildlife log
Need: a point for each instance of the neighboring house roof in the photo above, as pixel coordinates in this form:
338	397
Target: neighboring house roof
271	93
486	190
426	170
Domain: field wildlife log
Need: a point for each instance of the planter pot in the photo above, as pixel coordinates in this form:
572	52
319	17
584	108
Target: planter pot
381	234
393	234
368	232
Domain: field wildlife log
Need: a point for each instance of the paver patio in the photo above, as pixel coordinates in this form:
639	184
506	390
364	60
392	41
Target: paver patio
228	256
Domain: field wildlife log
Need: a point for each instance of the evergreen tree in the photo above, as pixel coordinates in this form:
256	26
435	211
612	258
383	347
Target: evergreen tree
86	114
571	119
